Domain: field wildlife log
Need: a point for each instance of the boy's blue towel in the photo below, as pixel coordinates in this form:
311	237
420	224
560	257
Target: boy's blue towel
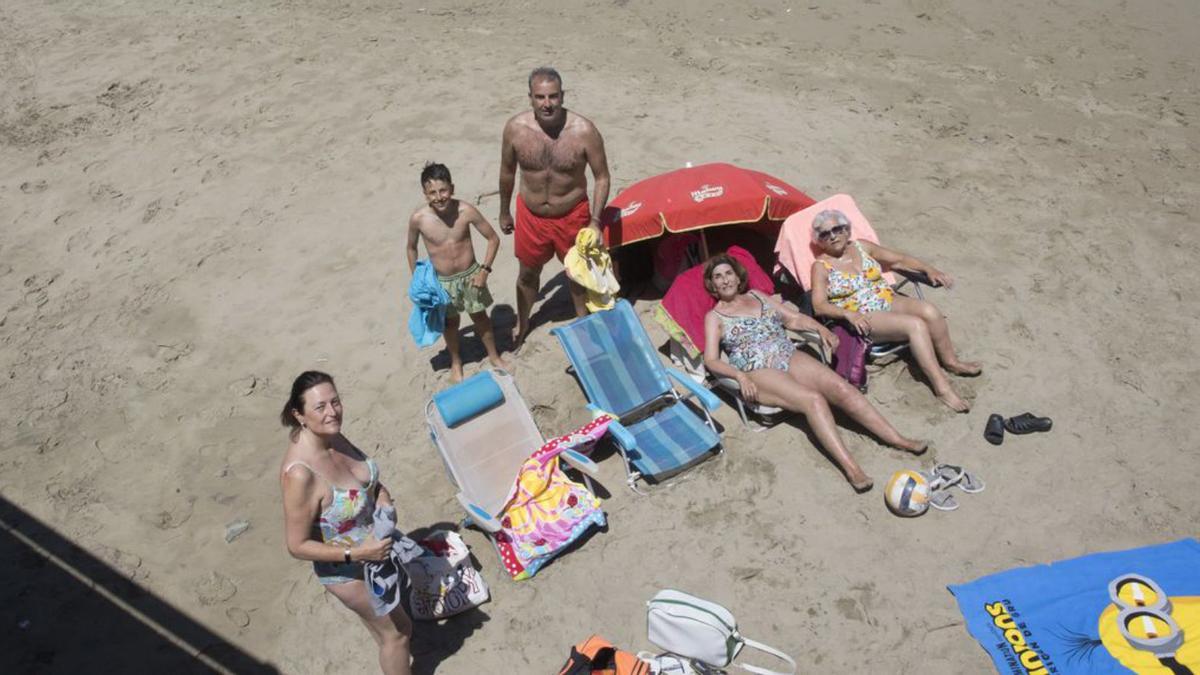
428	319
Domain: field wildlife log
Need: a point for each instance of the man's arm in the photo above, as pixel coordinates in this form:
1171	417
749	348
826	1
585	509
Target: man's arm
598	161
508	176
414	235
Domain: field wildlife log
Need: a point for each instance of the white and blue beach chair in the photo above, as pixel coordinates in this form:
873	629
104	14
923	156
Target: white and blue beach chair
484	432
658	434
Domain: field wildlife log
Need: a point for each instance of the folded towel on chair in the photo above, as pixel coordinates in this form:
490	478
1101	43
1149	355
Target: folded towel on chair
547	511
795	250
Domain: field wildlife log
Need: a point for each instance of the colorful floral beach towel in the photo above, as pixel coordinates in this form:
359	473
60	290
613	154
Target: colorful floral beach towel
547	511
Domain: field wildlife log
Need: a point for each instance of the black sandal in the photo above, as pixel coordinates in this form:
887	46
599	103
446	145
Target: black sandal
1027	423
994	431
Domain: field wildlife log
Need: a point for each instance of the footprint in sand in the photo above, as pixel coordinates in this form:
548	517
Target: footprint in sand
238	617
214	589
170	519
127	563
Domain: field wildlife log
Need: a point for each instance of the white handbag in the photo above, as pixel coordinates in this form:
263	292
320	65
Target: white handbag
705	631
443	582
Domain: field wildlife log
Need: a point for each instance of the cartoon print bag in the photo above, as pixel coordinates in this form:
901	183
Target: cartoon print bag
442	581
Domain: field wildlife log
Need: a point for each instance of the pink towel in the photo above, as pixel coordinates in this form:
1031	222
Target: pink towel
795	249
687	302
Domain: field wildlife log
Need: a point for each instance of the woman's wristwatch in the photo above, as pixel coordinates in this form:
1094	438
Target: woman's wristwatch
486	268
346	554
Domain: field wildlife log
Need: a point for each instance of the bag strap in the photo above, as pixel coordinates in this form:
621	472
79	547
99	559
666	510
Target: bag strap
598	653
577	664
773	652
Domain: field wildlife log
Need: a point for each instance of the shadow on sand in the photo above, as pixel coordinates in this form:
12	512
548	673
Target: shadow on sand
63	610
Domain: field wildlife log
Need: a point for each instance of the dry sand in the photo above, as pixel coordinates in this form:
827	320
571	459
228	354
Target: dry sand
200	199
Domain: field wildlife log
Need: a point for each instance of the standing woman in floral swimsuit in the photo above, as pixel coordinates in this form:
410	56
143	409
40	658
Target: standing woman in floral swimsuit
848	284
330	489
770	369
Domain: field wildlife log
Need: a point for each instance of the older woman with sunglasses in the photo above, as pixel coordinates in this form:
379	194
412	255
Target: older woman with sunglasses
848	285
768	367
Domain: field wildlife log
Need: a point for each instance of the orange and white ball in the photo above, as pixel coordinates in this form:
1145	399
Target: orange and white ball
907	494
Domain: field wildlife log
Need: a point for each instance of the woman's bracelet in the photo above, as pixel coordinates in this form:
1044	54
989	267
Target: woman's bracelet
346	554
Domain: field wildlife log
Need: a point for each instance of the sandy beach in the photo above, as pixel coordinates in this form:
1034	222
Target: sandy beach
200	200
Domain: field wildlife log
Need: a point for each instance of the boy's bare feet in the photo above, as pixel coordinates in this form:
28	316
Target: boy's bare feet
456	373
500	363
965	368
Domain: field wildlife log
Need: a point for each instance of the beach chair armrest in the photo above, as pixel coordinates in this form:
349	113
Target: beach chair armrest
477	515
624	438
577	460
917	279
813	339
709	399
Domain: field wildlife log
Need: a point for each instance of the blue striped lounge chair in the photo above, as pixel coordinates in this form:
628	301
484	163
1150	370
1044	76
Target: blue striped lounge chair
658	433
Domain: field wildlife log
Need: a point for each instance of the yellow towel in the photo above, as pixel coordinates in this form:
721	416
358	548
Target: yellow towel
589	265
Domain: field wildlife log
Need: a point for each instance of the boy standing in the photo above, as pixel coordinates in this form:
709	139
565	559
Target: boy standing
444	223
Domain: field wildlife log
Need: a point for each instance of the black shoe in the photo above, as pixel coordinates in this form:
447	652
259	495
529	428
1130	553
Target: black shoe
994	431
1027	423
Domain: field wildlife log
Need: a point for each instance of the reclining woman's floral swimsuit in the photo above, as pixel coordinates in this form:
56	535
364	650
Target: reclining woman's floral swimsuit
754	342
865	291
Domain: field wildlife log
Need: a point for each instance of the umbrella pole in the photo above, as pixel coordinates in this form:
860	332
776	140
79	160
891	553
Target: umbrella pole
703	246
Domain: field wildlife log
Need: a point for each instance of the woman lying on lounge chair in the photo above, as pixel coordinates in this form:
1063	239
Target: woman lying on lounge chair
848	284
769	368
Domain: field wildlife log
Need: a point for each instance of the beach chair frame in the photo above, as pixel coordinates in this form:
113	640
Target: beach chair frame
624	439
482	509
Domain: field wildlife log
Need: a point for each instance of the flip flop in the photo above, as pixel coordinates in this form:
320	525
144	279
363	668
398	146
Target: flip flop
942	500
970	483
1027	423
994	431
943	476
967	482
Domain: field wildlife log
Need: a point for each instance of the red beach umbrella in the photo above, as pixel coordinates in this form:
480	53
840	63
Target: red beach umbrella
695	198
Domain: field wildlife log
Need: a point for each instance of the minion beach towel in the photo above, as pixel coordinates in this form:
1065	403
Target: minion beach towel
1135	611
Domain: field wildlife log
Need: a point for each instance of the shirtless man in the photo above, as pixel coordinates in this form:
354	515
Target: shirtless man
553	146
444	223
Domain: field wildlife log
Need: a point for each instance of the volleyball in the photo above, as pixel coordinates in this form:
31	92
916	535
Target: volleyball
907	494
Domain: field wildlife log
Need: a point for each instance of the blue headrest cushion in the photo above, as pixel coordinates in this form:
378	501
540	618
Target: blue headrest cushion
471	397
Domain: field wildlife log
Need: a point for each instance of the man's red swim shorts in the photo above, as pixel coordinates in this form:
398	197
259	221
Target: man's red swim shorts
538	238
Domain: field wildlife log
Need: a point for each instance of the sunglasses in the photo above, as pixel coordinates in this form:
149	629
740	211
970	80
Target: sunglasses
1144	619
836	230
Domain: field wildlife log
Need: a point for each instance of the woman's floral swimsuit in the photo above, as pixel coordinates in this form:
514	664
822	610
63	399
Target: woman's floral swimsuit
754	342
346	522
864	291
